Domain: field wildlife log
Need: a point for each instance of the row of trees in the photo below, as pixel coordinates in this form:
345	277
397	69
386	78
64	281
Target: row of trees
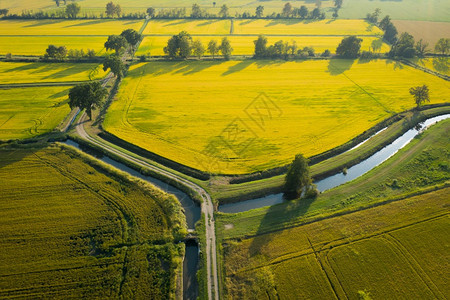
182	46
284	50
301	13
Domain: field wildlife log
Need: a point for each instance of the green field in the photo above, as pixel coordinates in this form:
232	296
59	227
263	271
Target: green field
390	251
165	107
76	230
27	112
44	72
243	45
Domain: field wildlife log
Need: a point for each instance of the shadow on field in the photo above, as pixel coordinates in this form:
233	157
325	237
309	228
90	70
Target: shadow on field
337	66
281	213
8	157
44	22
175	67
396	64
86	23
238	67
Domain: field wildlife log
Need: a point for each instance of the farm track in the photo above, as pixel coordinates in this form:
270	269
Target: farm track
206	206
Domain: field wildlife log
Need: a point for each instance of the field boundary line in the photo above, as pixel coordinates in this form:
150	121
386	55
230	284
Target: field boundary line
415	265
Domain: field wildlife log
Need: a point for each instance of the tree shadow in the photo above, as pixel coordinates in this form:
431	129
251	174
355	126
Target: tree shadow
189	68
179	22
87	23
11	156
45	22
175	67
395	64
441	65
287	211
60	94
238	67
242	23
209	22
71	71
265	63
337	66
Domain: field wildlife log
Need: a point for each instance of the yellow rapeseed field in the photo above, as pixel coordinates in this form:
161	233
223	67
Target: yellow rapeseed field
243	45
44	72
213	26
26	112
299	27
67	27
243	116
36	45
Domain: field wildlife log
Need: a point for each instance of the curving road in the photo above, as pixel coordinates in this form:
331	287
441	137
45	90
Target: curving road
206	207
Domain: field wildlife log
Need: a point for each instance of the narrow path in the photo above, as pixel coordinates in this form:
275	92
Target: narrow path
207	205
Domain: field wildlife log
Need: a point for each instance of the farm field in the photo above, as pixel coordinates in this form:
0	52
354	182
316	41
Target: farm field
67	27
44	72
392	250
335	100
27	112
419	10
243	45
170	27
36	45
70	229
430	32
299	27
437	64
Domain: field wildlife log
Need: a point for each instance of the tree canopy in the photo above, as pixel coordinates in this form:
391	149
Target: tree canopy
442	46
113	9
404	47
349	47
55	52
87	96
116	65
421	94
213	48
297	178
116	43
225	48
132	36
179	45
198	49
72	10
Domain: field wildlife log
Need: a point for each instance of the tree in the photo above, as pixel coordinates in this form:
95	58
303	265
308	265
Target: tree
110	9
297	179
116	43
326	53
198	49
335	14
151	12
390	33
385	22
404	47
72	10
422	48
4	11
349	47
132	36
260	47
55	52
303	12
196	11
315	14
213	48
421	94
115	64
338	3
61	52
224	13
287	10
259	11
179	45
373	17
87	96
225	48
442	46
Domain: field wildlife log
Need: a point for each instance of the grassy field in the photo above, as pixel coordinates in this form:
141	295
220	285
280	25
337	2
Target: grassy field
430	32
44	72
421	164
391	251
243	45
67	27
36	45
167	27
165	107
27	112
75	231
298	27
